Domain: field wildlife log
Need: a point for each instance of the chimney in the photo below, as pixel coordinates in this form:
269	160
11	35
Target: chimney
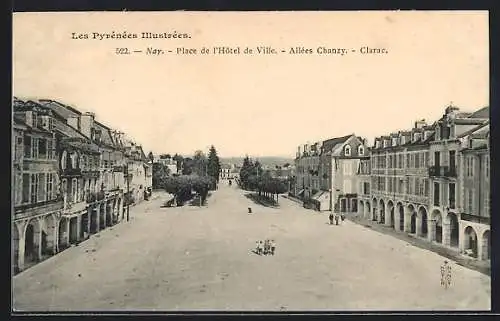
420	123
87	123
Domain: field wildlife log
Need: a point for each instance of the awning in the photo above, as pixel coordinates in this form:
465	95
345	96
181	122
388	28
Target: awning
320	195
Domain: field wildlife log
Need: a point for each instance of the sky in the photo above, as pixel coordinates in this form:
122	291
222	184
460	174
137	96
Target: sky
260	105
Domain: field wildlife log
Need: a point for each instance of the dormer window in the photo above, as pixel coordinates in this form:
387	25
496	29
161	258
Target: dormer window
361	150
347	150
385	143
377	144
402	140
394	142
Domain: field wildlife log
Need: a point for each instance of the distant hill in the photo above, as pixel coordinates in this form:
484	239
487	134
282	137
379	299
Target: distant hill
270	161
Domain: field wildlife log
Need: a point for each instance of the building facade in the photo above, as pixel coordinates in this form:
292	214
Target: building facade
69	174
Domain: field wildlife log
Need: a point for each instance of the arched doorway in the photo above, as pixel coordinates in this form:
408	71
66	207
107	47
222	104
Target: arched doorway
401	216
470	241
454	229
382	211
63	233
438	226
361	207
94	215
374	210
102	218
390	207
367	209
486	255
411	219
109	213
423	219
31	245
15	247
49	235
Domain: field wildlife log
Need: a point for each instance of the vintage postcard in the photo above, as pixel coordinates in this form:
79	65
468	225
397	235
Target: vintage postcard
251	161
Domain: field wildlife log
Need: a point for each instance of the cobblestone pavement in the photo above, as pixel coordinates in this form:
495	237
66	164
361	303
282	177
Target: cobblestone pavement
200	258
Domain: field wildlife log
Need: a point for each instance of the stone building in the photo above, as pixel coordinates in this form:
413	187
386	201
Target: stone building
364	182
446	182
331	163
400	179
68	178
474	207
37	201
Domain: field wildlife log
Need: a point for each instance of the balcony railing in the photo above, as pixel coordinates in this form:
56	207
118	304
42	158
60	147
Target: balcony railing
475	218
443	171
72	172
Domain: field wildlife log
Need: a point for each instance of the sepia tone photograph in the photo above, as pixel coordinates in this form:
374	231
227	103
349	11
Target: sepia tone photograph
250	161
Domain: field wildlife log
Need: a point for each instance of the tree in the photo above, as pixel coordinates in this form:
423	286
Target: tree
213	166
160	173
188	165
199	163
151	157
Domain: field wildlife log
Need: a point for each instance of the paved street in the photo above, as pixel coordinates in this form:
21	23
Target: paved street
200	258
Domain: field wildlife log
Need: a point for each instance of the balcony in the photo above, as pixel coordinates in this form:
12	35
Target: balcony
475	218
75	207
92	197
443	171
72	172
118	169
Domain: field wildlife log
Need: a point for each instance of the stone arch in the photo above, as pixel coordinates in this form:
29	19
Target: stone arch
382	211
401	215
486	245
49	235
453	231
412	219
15	247
422	221
102	216
367	209
470	241
390	211
361	207
32	244
374	209
109	212
436	226
63	233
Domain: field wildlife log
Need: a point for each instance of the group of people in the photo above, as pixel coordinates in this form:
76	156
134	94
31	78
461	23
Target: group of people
265	247
337	218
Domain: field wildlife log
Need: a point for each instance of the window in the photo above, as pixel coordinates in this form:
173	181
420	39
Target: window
74	190
426	187
42	148
34	118
27	146
361	150
50	149
42	187
50	186
402	140
26	188
34	188
347	150
451	194
436	194
64	158
34	147
74	157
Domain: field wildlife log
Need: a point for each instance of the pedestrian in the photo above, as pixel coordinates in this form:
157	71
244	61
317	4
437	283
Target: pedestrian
259	248
342	216
331	218
273	247
336	220
266	247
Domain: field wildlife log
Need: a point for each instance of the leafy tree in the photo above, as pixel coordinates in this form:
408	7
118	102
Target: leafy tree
188	166
178	161
160	173
151	157
199	163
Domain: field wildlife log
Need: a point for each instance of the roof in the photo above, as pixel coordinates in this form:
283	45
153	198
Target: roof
329	144
472	130
81	144
469	121
67	130
59	108
481	113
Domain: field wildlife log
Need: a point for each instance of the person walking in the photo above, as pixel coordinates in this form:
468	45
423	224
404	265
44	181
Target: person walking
331	218
336	219
273	247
